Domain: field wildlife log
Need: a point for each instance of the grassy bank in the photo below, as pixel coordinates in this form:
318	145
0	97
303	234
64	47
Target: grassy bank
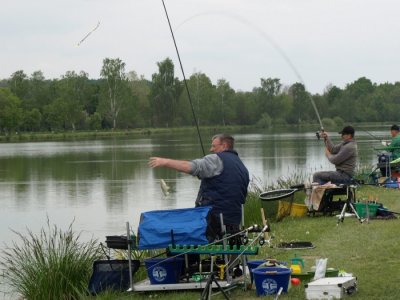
368	250
71	135
94	134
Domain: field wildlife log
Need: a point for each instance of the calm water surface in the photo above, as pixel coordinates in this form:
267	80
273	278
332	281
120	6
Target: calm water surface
101	184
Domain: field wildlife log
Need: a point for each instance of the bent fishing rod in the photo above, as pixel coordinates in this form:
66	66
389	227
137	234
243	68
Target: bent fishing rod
184	78
266	37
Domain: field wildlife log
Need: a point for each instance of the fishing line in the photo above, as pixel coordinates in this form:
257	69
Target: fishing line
86	36
266	37
371	135
184	78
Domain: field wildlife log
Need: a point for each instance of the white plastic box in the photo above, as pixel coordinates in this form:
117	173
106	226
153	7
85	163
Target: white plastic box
331	288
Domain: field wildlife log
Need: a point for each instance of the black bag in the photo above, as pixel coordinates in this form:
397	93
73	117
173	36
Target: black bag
111	275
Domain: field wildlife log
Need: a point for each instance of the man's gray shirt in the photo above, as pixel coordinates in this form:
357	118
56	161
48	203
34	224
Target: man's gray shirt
343	155
209	166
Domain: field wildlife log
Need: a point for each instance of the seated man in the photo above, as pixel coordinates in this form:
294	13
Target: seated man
224	180
393	147
342	155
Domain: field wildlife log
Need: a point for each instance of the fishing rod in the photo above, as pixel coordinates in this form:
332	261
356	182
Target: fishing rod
271	41
371	135
184	78
267	38
319	119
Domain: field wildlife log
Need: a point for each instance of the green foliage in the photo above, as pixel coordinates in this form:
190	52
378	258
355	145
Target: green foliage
94	121
164	94
265	121
10	111
328	123
31	120
338	121
53	264
126	100
115	88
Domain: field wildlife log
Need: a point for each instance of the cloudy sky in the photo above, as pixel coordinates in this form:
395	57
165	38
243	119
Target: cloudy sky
319	42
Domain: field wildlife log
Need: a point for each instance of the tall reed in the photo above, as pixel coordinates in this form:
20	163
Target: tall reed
53	264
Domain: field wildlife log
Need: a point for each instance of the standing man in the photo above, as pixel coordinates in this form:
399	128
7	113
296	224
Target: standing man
224	180
342	155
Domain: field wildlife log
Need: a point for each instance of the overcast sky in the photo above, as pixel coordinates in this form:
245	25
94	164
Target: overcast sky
320	42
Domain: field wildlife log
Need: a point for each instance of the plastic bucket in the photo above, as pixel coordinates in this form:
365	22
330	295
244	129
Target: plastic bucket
270	280
277	203
298	210
164	270
253	264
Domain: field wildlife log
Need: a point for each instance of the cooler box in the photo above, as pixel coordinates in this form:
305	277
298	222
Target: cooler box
331	288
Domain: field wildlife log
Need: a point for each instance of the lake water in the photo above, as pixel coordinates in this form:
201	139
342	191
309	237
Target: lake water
101	184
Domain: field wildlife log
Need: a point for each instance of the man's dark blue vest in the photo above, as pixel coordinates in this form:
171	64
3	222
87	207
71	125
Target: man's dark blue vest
226	192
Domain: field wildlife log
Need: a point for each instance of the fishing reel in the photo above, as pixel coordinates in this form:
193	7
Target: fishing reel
318	135
256	231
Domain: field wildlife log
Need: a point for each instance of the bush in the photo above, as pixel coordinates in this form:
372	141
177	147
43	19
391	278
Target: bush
265	121
51	265
328	123
339	121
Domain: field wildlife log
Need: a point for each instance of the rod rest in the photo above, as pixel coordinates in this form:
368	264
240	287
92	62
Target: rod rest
213	249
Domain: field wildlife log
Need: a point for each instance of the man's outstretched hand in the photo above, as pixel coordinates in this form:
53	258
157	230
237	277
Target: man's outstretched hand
155	162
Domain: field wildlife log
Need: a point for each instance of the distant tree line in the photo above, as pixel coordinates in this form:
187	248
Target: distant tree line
122	100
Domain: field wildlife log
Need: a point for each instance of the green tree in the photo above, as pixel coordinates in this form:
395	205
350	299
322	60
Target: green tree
165	91
266	96
246	109
140	113
39	94
54	116
31	120
10	111
72	90
226	94
301	102
94	121
116	88
19	84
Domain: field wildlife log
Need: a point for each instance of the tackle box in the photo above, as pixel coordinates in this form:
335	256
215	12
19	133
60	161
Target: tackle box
331	288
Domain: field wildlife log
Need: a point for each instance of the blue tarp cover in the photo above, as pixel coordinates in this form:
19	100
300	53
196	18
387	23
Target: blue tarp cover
189	227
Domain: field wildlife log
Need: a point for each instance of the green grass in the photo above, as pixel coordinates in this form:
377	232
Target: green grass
104	133
370	251
53	264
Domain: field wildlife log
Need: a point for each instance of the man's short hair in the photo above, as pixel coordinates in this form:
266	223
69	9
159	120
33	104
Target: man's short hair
395	127
225	138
